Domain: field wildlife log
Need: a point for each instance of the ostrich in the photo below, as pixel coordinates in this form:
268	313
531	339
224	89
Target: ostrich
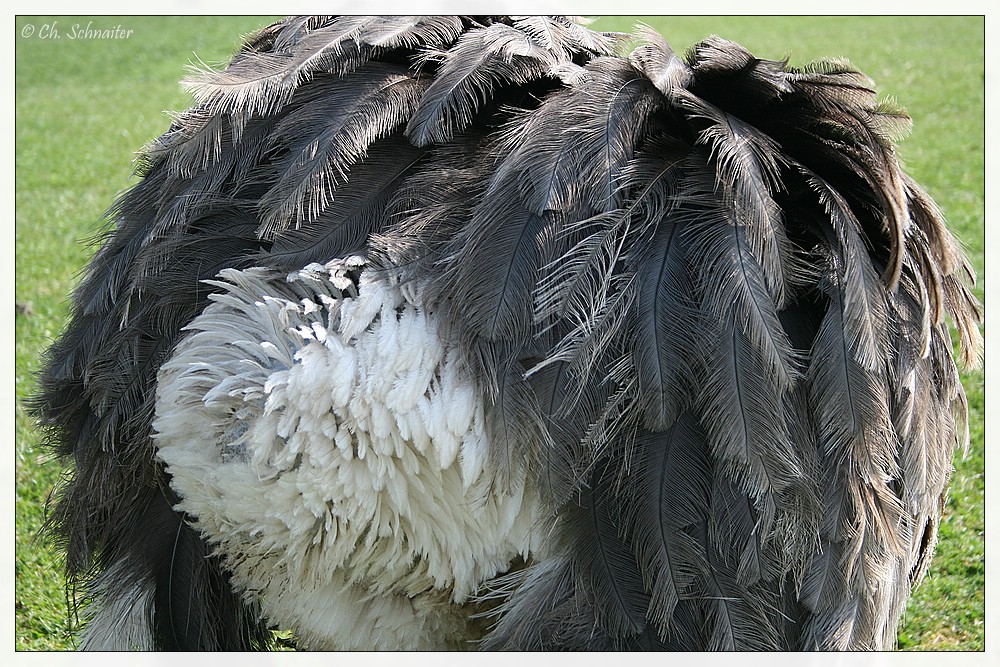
503	333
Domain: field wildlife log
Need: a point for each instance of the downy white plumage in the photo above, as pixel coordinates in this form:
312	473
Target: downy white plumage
327	437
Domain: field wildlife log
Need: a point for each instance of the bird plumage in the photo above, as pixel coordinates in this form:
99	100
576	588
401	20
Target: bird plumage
638	350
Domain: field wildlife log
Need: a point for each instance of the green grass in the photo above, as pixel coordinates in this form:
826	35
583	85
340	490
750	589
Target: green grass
84	107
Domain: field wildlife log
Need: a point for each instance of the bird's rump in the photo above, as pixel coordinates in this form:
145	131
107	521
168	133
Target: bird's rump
502	332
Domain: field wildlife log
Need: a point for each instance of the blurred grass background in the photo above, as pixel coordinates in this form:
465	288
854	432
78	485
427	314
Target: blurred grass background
84	107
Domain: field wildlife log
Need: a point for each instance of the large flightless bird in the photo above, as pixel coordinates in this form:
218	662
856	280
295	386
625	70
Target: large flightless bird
503	333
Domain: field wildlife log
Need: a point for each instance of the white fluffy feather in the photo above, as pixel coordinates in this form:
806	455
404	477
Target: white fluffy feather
340	471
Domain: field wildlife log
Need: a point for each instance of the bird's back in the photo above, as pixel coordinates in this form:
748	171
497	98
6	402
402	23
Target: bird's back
502	332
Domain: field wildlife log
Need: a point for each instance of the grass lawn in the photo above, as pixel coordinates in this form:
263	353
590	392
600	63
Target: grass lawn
83	107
